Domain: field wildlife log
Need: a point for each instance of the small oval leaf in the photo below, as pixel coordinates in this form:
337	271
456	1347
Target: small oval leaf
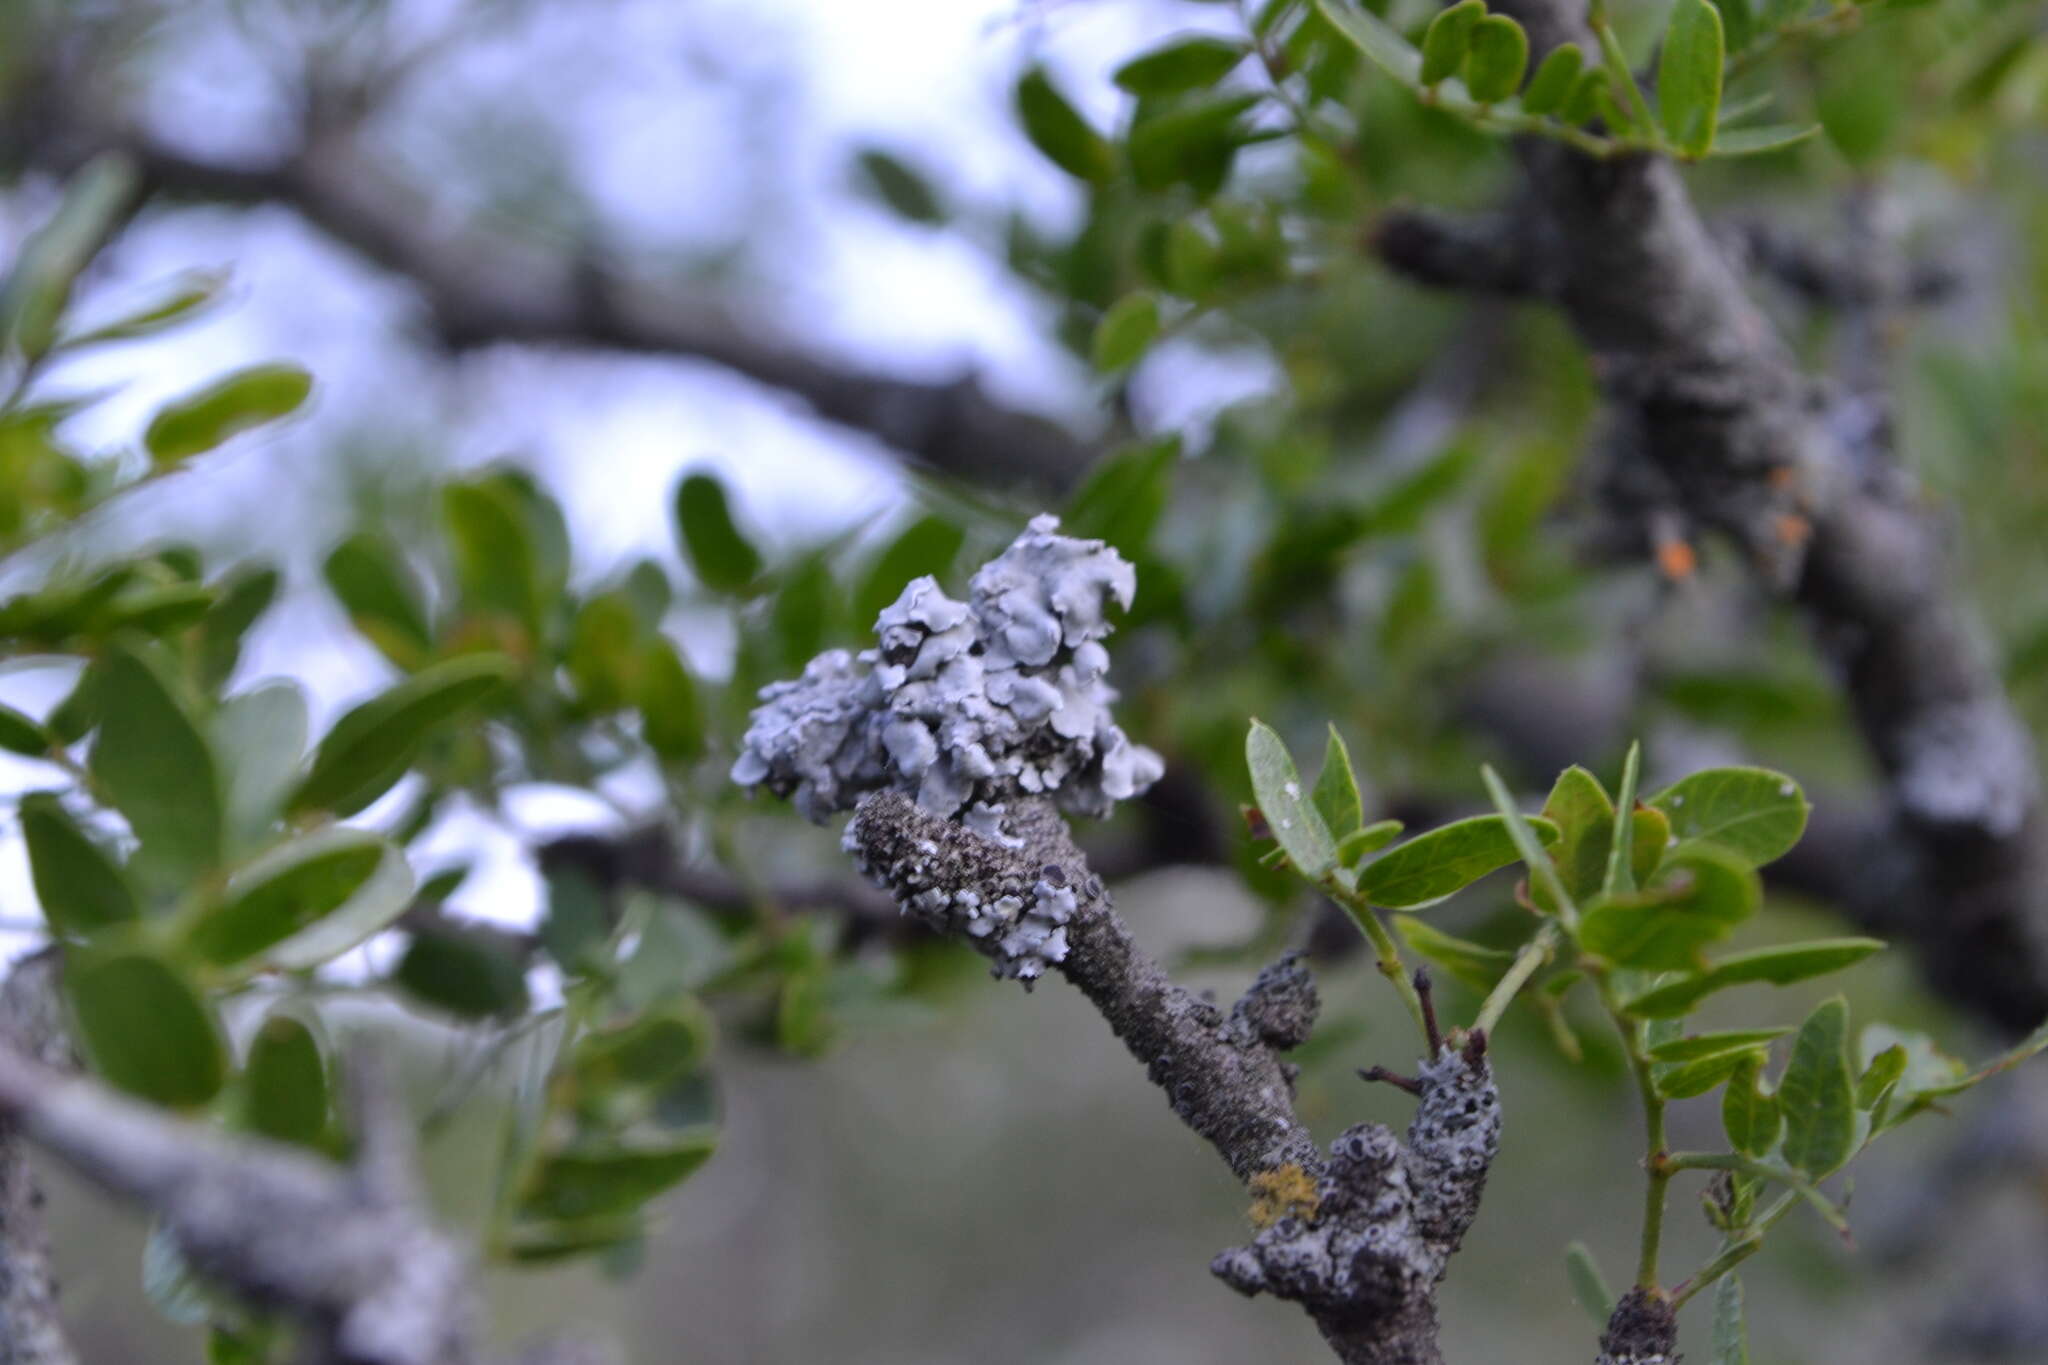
371	746
1432	867
145	1027
247	398
724	559
81	888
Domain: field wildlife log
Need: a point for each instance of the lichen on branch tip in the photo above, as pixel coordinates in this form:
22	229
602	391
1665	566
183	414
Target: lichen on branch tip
965	706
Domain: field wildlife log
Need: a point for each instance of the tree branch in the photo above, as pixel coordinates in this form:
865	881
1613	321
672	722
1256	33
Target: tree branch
31	1326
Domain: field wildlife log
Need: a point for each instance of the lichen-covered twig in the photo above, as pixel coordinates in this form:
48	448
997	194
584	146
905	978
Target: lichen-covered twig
31	1327
957	743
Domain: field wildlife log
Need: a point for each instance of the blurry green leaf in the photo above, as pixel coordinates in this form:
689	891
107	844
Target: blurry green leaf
724	560
259	737
928	546
644	1053
647	587
472	974
153	763
541	1242
1336	795
370	747
1399	508
81	888
144	1026
1729	1344
369	577
1124	494
603	657
1277	786
1471	964
1191	259
20	734
1880	1076
1701	894
188	294
1370	839
598	1183
1057	129
1697	1046
1497	55
897	184
305	901
1431	867
1192	62
1448	38
238	601
40	283
1768	137
1194	144
1817	1093
496	560
1754	812
1650	831
576	926
1125	331
1589	97
224	409
1371	35
1749	1115
1589	1286
286	1093
671	718
804	612
1779	966
1552	84
1689	76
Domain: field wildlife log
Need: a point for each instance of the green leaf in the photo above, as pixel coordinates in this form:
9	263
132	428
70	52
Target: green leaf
472	974
645	1053
1471	964
1336	795
1767	137
671	717
1373	36
724	559
154	764
259	737
1589	1286
1817	1093
1697	1046
1552	84
1758	813
1650	838
496	560
1371	839
1193	143
1779	966
1498	55
305	901
1683	1080
1584	815
21	734
901	187
1124	495
805	609
1448	38
286	1094
238	600
1529	845
81	888
1589	97
1749	1114
600	1183
1877	1080
1621	841
1729	1344
1124	332
1194	62
603	657
926	547
369	576
1057	129
39	286
1700	895
145	1027
1296	825
1432	867
191	292
1689	76
240	401
370	748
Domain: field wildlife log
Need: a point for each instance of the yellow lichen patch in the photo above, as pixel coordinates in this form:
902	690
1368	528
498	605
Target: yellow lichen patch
1283	1191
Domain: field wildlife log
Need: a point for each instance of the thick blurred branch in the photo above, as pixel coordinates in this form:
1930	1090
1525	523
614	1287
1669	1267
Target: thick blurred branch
1708	403
31	1326
481	288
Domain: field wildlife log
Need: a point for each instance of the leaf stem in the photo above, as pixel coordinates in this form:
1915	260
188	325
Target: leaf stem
1534	954
1735	1251
1657	1161
1385	952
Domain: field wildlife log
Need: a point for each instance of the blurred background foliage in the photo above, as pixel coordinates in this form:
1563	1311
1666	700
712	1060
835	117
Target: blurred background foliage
435	627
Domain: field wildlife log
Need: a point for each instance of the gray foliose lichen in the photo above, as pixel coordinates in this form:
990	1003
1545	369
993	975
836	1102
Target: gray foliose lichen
965	706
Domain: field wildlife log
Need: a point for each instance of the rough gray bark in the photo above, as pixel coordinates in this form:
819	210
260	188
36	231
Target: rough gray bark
1374	1222
1721	429
31	1325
